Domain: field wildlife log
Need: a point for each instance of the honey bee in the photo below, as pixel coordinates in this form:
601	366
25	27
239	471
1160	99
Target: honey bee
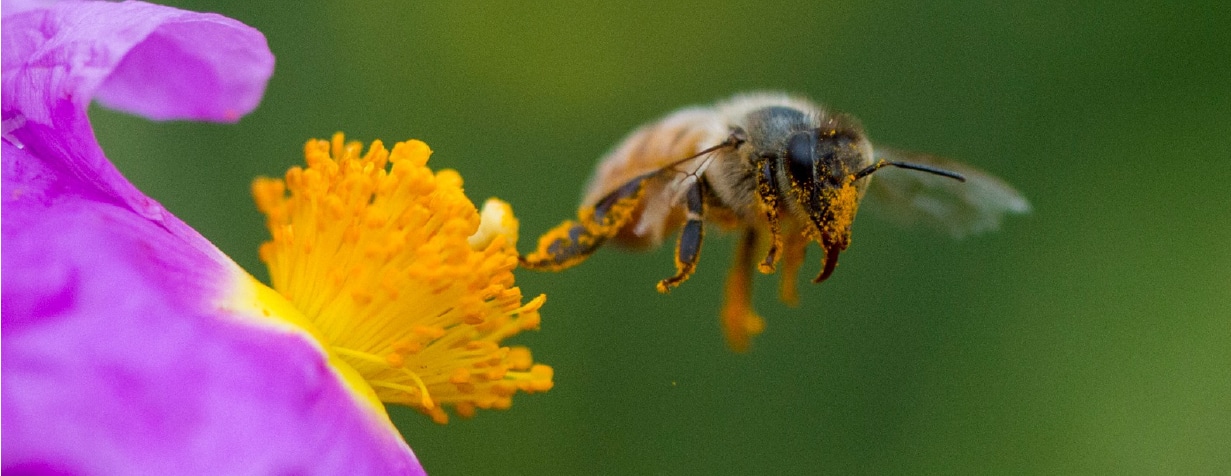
780	169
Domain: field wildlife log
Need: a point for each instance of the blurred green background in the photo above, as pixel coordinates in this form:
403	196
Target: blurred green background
1090	337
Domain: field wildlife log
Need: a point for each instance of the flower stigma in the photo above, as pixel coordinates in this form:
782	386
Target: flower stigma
401	277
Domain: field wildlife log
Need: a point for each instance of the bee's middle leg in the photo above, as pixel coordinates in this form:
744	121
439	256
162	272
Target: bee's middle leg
739	321
688	250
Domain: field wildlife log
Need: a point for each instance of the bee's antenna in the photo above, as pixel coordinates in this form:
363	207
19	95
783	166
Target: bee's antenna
906	165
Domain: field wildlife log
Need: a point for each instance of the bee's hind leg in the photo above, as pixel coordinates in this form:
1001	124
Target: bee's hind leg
566	245
572	241
688	250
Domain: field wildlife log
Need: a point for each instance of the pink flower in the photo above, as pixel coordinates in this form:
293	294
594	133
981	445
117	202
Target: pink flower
130	343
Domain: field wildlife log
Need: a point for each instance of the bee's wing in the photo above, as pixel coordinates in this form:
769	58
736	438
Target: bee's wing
913	198
666	197
659	147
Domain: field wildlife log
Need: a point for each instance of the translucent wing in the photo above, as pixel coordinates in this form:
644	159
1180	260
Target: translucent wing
659	146
913	198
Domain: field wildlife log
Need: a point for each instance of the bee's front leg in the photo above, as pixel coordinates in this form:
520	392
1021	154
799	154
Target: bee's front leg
688	250
767	190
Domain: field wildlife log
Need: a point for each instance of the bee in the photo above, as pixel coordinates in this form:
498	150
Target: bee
781	170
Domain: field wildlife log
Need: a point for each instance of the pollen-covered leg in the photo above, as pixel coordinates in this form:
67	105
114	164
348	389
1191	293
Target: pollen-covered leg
565	245
767	190
739	321
792	259
572	241
689	247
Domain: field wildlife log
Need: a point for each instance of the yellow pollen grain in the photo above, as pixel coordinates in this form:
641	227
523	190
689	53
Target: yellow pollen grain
843	203
407	282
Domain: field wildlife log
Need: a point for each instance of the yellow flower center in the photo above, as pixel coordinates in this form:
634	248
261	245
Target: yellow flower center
401	275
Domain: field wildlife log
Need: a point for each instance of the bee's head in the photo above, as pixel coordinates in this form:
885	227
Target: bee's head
826	167
821	165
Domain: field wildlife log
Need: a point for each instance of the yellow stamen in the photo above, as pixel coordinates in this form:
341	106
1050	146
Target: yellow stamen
424	399
401	275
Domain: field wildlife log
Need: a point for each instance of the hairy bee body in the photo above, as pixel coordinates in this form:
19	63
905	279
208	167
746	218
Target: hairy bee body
769	119
782	170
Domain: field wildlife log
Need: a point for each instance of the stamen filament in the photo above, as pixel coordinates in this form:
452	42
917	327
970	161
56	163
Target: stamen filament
384	364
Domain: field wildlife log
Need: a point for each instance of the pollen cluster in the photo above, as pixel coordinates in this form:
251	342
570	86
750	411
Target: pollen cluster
403	277
842	202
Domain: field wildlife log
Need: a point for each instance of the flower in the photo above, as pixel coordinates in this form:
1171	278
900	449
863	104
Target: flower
404	279
132	344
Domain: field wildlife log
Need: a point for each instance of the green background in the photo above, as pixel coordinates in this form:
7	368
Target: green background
1090	337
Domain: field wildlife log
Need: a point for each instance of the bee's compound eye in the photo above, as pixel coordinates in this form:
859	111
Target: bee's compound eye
801	153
